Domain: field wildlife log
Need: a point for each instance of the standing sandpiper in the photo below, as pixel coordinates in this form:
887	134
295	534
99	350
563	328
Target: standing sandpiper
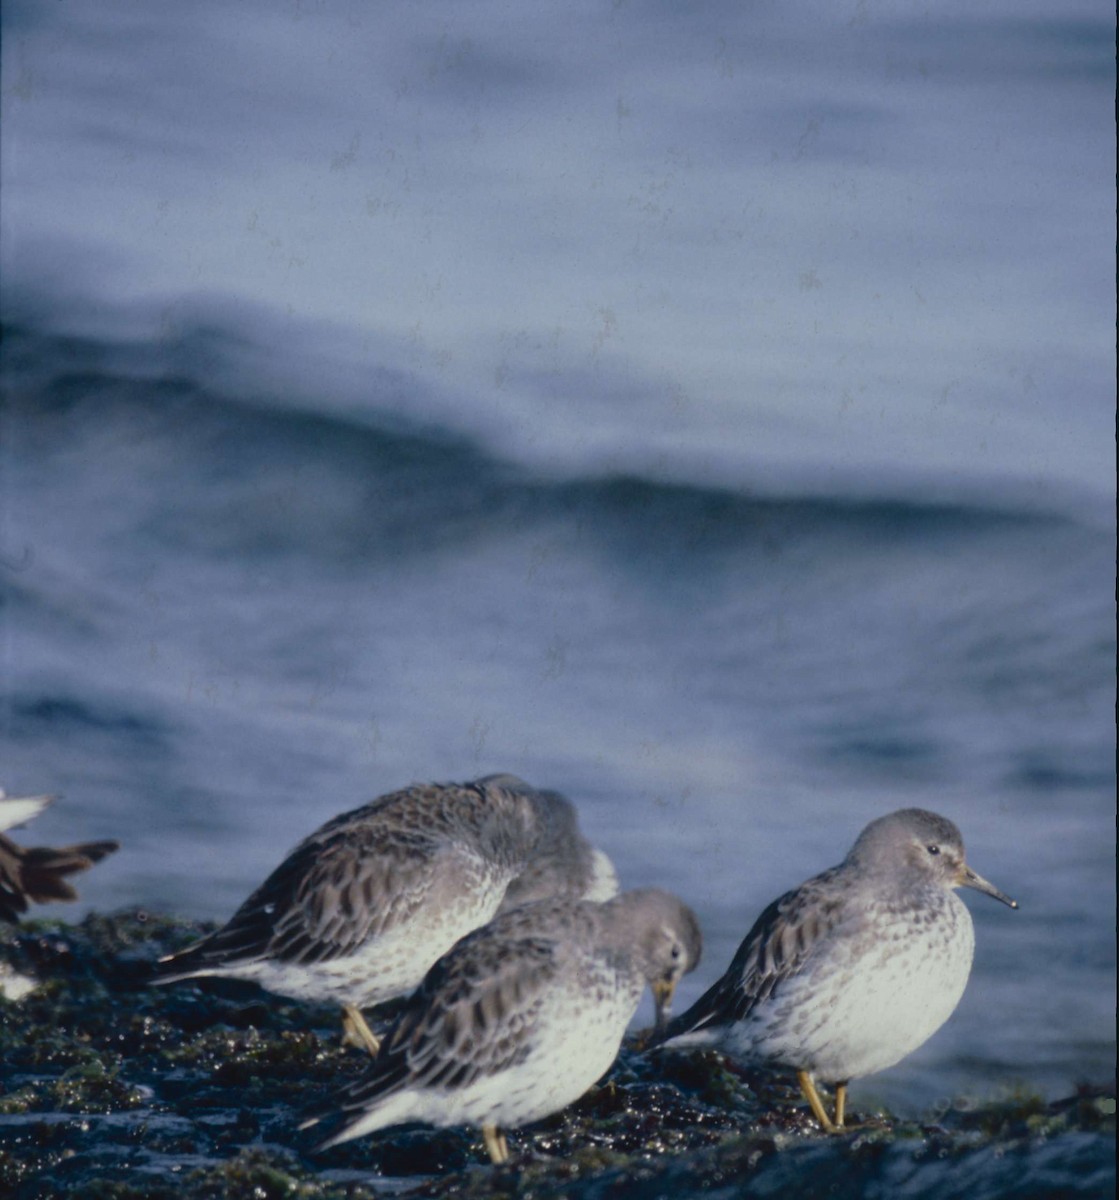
853	970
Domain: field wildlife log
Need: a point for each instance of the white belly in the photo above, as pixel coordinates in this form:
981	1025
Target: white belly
851	1016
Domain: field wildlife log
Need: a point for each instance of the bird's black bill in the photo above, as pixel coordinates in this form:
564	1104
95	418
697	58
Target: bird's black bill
968	878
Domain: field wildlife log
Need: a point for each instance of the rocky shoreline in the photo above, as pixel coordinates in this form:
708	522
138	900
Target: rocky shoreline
113	1089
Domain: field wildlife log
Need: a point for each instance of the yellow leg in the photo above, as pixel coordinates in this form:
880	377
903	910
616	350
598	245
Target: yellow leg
495	1143
356	1031
817	1105
840	1104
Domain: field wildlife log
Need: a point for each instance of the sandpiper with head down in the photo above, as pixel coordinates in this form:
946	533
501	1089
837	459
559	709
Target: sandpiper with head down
361	909
522	1016
853	970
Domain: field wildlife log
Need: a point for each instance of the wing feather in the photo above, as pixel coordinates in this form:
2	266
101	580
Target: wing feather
334	892
778	946
475	1015
361	875
37	872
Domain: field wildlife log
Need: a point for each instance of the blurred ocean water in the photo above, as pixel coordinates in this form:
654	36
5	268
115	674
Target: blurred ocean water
707	413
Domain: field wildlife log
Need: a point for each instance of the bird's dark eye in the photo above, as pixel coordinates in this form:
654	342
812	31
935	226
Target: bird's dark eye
675	953
933	849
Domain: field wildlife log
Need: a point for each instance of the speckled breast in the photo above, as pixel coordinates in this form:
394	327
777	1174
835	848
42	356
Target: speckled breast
869	1001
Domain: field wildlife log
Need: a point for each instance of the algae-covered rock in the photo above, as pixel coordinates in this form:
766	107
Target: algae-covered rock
111	1088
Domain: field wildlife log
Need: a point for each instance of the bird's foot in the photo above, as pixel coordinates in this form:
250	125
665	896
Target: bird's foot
816	1103
496	1144
356	1031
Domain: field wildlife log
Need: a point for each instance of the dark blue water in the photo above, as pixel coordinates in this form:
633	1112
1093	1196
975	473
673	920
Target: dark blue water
710	418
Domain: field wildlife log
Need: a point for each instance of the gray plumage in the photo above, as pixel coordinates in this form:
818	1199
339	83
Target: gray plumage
364	905
853	970
523	1015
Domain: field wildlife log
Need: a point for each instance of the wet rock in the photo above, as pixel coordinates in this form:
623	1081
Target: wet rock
111	1088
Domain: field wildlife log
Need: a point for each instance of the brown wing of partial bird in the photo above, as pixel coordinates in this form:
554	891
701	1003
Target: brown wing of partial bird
38	873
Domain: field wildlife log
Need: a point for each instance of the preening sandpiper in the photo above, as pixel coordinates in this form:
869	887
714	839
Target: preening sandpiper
359	911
